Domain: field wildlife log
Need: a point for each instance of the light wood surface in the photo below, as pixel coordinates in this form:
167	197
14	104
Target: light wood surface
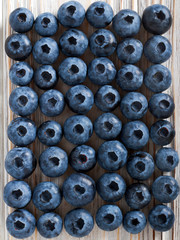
39	6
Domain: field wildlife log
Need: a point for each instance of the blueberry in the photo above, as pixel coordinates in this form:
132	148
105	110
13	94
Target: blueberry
18	47
79	189
80	99
52	103
99	14
20	223
21	73
49	133
129	77
134	222
72	71
157	78
21	131
135	135
161	218
137	195
21	20
82	158
23	101
162	132
102	43
78	222
130	50
166	159
78	129
126	23
73	43
111	187
46	24
101	71
17	194
71	14
109	217
107	126
140	165
46	196
157	19
45	51
49	225
157	49
134	105
112	155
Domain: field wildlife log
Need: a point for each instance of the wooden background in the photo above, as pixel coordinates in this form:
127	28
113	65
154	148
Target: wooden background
39	6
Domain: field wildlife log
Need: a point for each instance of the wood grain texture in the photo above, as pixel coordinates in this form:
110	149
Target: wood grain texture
39	6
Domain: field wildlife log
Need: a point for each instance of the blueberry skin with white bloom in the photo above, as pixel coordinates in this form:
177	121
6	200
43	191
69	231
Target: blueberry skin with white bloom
102	43
20	223
21	73
109	217
161	218
157	49
52	103
45	51
129	77
101	71
18	47
111	187
79	189
78	222
80	99
53	162
112	155
78	129
130	50
73	43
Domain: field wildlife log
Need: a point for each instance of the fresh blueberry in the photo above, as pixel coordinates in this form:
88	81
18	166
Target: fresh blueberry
102	43
140	165
49	133
80	99
78	222
157	49
107	126
78	129
157	78
111	187
161	218
129	77
166	159
135	135
20	224
21	131
21	73
130	50
21	20
79	189
71	14
72	71
134	222
23	101
134	105
109	217
112	155
73	43
49	225
18	47
157	19
162	132
137	195
45	51
46	196
101	71
53	162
